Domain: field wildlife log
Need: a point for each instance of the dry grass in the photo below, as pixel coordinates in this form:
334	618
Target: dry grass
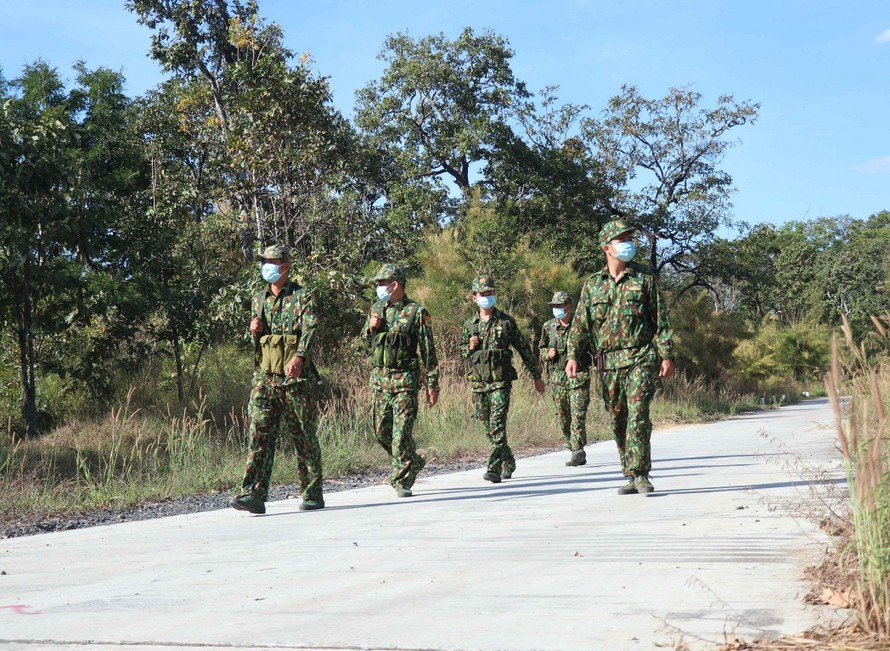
862	437
143	451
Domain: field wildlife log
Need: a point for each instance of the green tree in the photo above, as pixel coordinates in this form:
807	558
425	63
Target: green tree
854	275
705	337
526	276
271	137
779	353
741	273
441	106
246	146
664	156
64	169
549	179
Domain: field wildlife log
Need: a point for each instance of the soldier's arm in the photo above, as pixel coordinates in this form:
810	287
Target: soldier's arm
577	338
376	309
427	348
521	345
664	336
543	345
308	323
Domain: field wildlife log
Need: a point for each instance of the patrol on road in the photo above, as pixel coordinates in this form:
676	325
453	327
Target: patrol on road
399	334
570	396
623	317
285	384
486	342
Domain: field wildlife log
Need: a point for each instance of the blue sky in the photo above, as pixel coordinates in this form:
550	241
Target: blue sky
820	69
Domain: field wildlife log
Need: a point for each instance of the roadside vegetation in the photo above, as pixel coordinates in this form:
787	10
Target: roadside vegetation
143	450
862	374
855	574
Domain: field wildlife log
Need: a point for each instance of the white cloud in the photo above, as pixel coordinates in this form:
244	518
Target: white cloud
883	37
875	166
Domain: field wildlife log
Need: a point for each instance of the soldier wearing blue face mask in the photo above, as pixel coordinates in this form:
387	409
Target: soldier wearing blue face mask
623	316
285	384
486	343
571	396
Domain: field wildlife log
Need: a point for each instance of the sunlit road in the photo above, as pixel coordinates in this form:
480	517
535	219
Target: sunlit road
552	559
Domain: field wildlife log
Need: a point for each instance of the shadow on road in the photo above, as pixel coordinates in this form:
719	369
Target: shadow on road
547	485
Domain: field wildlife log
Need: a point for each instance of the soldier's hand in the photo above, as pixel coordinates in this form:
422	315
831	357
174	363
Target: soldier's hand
256	327
294	367
540	386
432	396
375	322
474	342
572	369
551	354
667	369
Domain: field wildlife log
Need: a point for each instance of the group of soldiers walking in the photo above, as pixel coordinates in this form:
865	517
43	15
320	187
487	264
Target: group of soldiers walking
619	329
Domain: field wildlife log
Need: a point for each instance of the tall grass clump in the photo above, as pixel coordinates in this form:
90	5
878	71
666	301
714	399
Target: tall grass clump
858	385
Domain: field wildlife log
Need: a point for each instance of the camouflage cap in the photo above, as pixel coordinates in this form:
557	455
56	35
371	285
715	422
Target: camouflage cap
561	298
483	283
391	272
613	229
275	252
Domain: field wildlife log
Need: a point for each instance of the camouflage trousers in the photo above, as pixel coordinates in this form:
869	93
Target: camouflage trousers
293	408
627	393
571	409
393	416
491	408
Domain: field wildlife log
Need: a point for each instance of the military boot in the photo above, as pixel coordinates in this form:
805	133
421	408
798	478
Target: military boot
579	458
643	484
493	477
248	502
404	492
630	488
311	505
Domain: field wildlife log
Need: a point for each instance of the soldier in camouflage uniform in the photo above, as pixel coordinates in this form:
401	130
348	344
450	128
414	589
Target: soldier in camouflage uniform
396	329
486	342
284	385
622	315
571	396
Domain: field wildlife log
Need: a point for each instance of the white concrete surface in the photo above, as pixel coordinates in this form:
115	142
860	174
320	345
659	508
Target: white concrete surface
552	559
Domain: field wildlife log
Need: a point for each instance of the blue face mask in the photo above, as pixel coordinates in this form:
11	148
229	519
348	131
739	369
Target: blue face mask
270	272
625	251
383	292
559	312
486	302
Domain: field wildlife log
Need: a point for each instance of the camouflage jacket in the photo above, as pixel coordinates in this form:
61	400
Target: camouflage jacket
500	332
397	381
555	367
276	314
627	318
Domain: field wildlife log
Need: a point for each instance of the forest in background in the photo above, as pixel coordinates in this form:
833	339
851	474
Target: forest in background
128	225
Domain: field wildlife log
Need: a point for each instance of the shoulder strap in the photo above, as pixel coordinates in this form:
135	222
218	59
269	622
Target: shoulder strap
294	299
553	334
259	304
411	316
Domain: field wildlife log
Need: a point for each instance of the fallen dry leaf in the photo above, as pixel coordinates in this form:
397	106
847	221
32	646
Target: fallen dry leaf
839	598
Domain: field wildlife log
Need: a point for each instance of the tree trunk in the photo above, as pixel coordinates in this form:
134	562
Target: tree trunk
653	253
174	331
248	236
26	353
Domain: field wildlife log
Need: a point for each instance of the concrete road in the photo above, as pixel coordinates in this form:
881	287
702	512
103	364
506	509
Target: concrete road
552	559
